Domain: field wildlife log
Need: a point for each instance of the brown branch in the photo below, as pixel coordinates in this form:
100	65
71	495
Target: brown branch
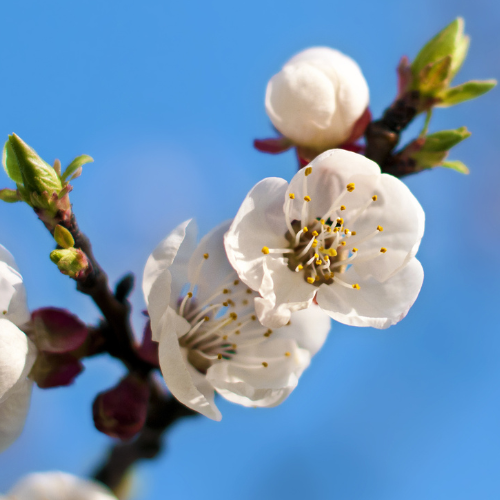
382	136
162	413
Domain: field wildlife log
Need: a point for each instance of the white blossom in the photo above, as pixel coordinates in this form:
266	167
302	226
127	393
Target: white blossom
17	352
341	233
57	486
209	337
317	98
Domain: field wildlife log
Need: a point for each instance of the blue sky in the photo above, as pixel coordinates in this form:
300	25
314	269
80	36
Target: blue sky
167	97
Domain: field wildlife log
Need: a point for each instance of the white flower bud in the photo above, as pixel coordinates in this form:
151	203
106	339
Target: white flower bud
316	99
58	486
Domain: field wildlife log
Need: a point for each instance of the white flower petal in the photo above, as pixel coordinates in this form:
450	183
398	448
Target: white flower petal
170	258
375	304
402	219
248	382
215	270
58	486
17	355
13	411
317	97
283	292
331	172
187	385
309	328
259	223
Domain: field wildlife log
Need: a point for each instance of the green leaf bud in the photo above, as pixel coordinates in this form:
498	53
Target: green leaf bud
9	195
74	166
466	92
71	261
63	237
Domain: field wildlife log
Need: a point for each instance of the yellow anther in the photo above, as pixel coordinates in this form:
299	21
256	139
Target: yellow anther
342	207
340	220
326	258
346	231
356	286
225	304
291	196
268	333
225	290
304	229
316	278
230	302
374	197
248	290
234	346
206	318
383	250
353	233
354	250
328	229
316	256
315	233
253	317
225	337
332	252
310	280
205	255
236	282
319	262
244	302
308	171
322	221
287	354
380	228
264	364
237	332
300	267
350	187
343	243
321	249
189	294
219	356
265	250
4	312
233	315
315	243
307	198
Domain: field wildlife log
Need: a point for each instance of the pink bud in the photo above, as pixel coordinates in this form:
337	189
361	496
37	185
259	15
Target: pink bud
121	411
55	370
57	330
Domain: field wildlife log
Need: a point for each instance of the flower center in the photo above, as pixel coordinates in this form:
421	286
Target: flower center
323	247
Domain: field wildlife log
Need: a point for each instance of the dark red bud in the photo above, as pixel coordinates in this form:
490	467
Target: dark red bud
273	145
121	411
55	370
57	330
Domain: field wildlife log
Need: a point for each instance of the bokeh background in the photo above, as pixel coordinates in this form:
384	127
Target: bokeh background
167	97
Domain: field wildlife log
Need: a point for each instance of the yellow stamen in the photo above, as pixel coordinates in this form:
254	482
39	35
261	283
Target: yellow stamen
356	286
322	222
342	207
205	255
353	233
319	262
287	354
206	318
264	364
350	187
310	280
343	243
236	282
189	294
383	250
316	278
300	267
233	315
265	250
328	229
380	228
340	220
304	229
315	233
292	196
374	197
354	250
307	198
315	243
254	317
225	337
225	290
332	252
308	171
219	356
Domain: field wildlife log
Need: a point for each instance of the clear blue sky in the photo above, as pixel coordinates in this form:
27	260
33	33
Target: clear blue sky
167	97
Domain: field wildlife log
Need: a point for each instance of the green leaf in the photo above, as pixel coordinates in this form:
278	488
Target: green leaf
443	44
63	237
456	165
75	165
10	164
37	176
459	55
9	195
444	140
434	76
465	92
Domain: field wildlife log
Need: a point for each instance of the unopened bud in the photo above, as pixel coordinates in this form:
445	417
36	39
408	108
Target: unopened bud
63	237
317	98
121	411
71	261
55	370
57	330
